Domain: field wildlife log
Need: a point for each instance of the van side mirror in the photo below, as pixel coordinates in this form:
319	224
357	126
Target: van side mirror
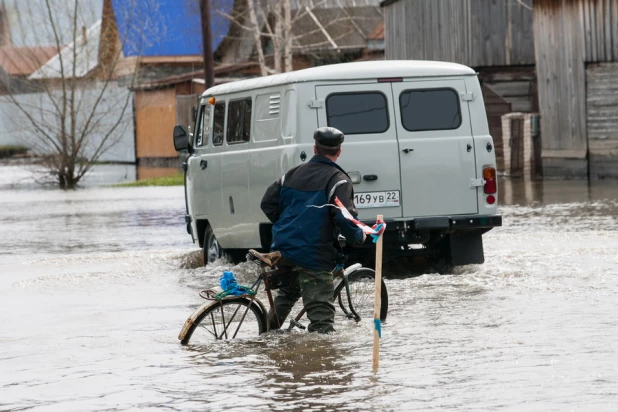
181	138
194	113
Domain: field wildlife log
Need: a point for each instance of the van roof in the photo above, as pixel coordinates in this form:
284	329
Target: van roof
371	70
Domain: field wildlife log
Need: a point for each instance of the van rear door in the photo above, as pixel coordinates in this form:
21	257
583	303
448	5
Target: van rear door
436	148
364	113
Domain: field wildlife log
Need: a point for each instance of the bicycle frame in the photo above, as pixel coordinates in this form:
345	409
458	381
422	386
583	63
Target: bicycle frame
265	276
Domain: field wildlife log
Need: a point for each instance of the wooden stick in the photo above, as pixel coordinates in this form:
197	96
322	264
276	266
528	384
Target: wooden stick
377	302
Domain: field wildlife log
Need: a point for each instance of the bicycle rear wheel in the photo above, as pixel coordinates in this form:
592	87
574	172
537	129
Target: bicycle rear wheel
362	294
235	318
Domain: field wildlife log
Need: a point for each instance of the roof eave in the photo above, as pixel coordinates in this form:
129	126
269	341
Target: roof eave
387	2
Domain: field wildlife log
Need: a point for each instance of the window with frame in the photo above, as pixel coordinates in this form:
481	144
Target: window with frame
203	126
239	121
267	117
430	109
358	113
218	123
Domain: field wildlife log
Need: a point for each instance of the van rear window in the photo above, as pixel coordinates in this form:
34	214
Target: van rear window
430	109
239	121
357	113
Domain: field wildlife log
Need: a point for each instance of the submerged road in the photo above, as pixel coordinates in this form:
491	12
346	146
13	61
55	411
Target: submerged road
95	285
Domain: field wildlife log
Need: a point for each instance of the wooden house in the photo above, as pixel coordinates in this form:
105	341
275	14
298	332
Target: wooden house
492	36
555	57
164	102
167	95
576	45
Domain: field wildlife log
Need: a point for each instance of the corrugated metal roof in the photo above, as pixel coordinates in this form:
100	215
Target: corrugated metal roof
370	70
224	69
23	61
86	50
151	27
169	27
120	145
29	22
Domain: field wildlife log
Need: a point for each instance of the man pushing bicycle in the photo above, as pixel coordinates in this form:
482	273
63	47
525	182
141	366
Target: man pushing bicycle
306	236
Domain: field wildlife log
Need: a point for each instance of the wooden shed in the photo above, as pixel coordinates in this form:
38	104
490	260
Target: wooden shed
163	102
492	36
576	45
155	117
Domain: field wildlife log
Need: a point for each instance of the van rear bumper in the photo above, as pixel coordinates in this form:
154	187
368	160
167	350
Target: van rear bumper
444	223
454	239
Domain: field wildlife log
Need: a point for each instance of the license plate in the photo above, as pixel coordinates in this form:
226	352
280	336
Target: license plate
376	199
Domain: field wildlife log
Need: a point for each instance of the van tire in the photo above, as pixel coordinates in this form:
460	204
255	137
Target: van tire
212	249
236	256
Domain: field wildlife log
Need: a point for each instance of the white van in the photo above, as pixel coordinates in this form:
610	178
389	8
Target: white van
417	148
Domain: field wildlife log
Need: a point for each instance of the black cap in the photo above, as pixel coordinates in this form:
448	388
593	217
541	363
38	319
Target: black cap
328	136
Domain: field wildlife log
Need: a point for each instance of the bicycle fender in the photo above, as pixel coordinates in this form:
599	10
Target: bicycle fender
189	322
352	268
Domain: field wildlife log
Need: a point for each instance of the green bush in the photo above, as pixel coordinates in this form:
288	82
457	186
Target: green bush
12	150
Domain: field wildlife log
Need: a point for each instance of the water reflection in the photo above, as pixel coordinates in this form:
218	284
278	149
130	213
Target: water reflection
514	191
145	172
33	177
30	176
95	285
314	362
295	371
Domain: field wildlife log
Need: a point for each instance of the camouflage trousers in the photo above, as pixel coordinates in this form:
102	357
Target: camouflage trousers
316	288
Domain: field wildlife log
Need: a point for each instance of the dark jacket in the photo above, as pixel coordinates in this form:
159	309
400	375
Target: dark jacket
307	236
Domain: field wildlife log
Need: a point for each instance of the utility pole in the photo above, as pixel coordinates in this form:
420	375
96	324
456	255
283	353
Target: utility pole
209	76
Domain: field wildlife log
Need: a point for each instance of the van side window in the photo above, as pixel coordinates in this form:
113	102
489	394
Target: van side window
357	113
267	117
239	121
217	125
430	109
203	126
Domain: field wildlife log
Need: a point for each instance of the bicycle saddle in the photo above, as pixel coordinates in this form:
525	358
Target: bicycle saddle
269	259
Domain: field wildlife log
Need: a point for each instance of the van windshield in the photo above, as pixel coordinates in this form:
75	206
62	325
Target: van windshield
357	113
203	126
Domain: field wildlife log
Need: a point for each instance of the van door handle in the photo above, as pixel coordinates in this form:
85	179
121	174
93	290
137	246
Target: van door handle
370	177
203	164
406	150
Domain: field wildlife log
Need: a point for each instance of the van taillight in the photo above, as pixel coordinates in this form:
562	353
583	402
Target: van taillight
489	175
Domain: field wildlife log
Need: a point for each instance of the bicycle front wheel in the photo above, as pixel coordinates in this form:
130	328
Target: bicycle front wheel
361	294
234	318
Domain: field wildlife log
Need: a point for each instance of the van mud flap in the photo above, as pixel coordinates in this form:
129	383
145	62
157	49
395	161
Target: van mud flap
466	248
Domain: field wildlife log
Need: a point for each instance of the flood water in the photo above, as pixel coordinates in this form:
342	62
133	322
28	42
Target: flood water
95	285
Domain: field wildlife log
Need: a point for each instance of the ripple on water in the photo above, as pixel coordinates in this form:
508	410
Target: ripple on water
95	328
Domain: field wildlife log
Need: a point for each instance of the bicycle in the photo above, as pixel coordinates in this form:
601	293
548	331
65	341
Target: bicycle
245	316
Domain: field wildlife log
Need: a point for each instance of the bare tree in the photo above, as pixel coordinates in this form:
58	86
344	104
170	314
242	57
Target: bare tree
274	24
79	110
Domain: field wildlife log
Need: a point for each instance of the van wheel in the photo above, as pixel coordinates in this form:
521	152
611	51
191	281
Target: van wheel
211	249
